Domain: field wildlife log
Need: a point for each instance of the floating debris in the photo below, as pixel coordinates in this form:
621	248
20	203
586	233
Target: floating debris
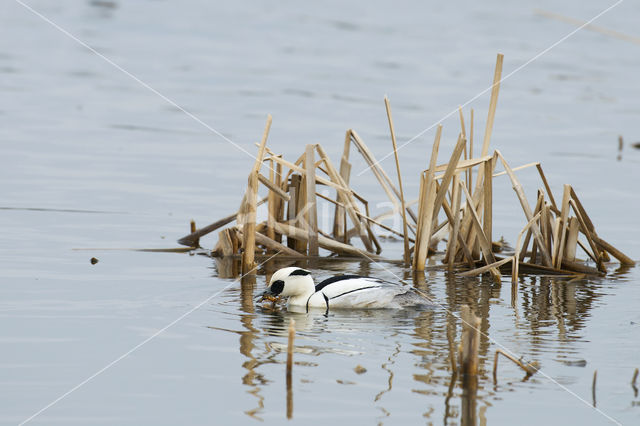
94	260
359	369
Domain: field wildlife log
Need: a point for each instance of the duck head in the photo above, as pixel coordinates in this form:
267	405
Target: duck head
293	283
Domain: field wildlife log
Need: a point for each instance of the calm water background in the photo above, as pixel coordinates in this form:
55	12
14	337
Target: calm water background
91	159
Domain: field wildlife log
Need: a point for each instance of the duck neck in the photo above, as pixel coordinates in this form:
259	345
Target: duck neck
305	289
300	300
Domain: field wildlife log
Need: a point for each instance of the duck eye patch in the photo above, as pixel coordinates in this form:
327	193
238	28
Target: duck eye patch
277	287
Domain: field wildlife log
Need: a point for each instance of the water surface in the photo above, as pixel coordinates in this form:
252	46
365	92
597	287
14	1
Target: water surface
92	161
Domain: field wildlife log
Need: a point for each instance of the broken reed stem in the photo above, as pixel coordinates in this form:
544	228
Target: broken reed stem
623	258
191	239
593	387
455	223
493	103
407	256
561	230
349	199
249	228
274	246
324	242
312	214
546	259
525	245
487	226
470	171
485	245
530	368
292	333
546	186
487	268
382	177
517	256
588	235
272	202
425	208
339	219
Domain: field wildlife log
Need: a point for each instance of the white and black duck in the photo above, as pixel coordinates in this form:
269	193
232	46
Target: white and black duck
343	291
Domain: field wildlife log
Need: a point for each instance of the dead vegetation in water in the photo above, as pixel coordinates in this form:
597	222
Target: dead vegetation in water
455	203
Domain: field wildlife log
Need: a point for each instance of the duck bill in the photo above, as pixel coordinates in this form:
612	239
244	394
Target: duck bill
267	295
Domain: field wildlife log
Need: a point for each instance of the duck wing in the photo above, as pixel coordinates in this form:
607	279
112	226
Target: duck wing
353	291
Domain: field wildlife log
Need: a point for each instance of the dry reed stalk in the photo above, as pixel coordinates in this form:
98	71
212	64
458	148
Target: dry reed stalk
485	245
324	242
365	217
291	336
579	267
312	213
454	224
590	227
462	128
525	245
470	171
469	342
271	202
585	231
545	228
593	386
585	249
193	237
372	235
292	206
463	165
547	187
486	268
546	259
558	253
530	368
623	258
425	209
493	103
515	169
348	195
224	246
279	213
319	179
271	216
572	239
442	189
527	228
273	188
339	219
275	246
448	175
407	256
249	226
488	200
301	213
555	226
379	173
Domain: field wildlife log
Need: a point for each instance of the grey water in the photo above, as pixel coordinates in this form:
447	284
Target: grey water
103	154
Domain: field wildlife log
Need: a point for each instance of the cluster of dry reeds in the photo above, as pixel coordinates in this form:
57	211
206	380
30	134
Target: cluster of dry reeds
292	202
